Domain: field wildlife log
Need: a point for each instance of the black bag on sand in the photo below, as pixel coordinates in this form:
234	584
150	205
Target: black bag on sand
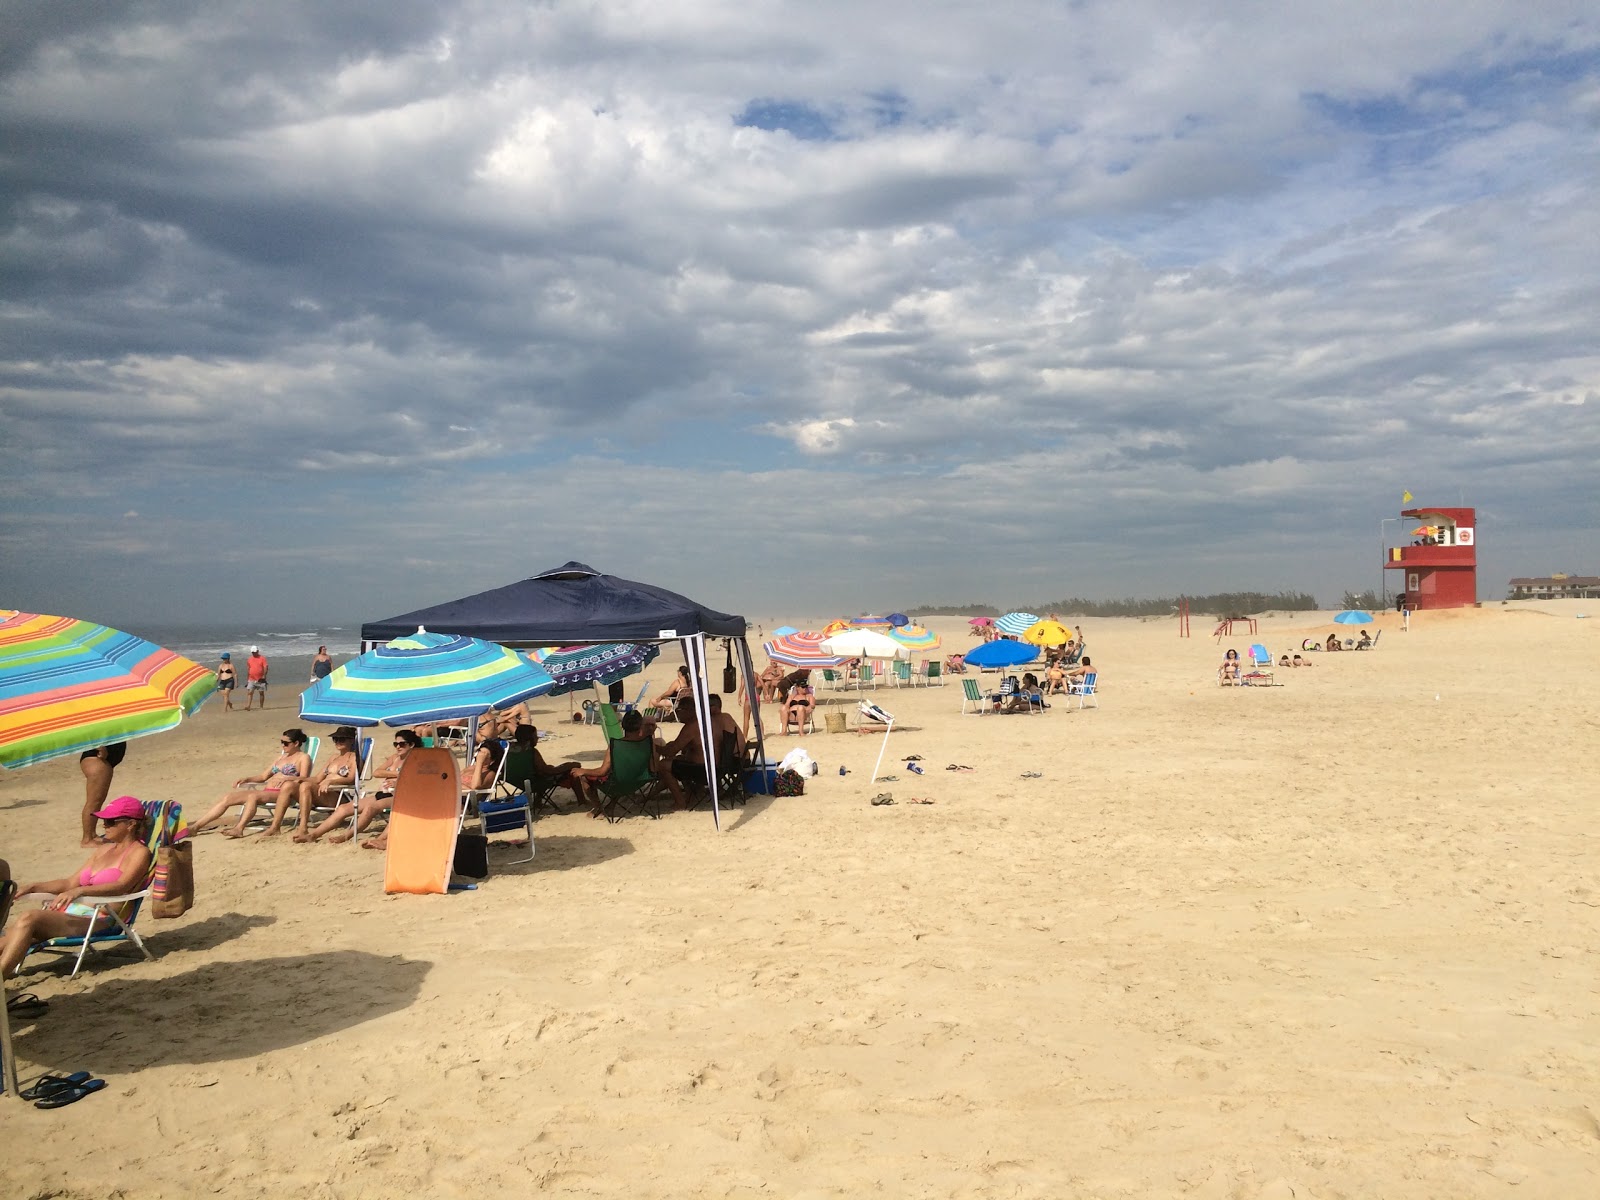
472	855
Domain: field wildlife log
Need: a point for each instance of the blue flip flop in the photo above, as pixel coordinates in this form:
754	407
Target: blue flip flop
71	1095
49	1085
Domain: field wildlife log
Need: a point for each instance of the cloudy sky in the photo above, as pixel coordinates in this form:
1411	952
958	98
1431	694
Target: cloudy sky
320	310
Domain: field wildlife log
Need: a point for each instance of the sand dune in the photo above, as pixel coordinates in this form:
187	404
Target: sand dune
1329	939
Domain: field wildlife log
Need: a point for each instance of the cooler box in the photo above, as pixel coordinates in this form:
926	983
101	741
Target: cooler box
762	779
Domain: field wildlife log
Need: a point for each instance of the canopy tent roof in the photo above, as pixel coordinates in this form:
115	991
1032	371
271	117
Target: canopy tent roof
571	605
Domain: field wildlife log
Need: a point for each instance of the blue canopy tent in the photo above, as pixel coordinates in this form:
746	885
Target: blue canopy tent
575	605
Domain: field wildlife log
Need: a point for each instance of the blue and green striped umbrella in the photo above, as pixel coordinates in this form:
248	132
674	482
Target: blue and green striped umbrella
1017	623
423	677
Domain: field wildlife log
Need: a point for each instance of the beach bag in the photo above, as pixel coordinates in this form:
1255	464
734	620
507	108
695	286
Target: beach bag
730	674
798	761
472	856
789	783
172	888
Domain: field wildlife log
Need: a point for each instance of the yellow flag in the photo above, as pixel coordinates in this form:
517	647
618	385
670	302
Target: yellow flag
1405	498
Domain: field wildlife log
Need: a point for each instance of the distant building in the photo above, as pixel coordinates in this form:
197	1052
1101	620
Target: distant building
1556	587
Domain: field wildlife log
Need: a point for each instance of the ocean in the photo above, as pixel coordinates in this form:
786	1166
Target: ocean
204	643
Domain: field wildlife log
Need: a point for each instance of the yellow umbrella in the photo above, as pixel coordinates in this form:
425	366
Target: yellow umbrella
833	627
1048	633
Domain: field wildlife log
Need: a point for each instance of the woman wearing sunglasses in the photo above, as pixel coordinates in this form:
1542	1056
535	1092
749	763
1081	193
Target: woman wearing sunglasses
373	806
119	865
292	763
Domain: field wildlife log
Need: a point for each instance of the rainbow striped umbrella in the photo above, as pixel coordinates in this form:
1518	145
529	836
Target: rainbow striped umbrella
67	686
916	637
423	677
1017	623
577	667
802	650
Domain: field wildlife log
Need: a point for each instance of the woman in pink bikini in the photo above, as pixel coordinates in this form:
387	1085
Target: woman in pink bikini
292	763
119	865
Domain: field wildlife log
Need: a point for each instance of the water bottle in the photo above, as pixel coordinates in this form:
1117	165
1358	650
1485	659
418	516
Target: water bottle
842	771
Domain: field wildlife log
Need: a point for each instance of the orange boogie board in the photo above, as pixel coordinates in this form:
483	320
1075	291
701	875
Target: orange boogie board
423	823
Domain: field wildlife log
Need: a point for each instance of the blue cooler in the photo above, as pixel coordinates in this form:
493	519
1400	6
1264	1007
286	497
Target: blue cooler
762	780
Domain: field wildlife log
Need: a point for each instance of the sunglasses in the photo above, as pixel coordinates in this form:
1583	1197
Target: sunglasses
110	821
398	742
284	742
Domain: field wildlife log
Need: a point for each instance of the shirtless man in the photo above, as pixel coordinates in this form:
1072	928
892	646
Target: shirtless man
685	755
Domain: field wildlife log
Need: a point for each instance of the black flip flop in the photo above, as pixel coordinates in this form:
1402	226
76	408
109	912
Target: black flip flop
71	1095
26	1005
48	1085
881	799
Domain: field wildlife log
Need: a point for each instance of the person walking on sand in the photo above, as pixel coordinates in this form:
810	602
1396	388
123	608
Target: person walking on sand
321	666
227	677
255	678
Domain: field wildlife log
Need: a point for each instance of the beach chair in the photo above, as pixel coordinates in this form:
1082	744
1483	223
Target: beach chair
611	721
830	679
167	826
901	673
1083	688
265	811
516	795
731	767
631	783
866	677
519	778
972	694
932	674
470	797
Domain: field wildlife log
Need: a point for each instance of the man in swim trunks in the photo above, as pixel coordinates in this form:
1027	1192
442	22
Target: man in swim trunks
255	678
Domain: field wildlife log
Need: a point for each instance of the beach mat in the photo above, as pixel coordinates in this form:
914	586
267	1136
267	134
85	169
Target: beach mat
423	823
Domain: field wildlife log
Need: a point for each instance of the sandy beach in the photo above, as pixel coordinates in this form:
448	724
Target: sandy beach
1333	938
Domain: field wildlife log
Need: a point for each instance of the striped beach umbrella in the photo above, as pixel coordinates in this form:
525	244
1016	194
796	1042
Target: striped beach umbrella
575	667
916	638
802	650
1015	624
423	677
869	622
67	686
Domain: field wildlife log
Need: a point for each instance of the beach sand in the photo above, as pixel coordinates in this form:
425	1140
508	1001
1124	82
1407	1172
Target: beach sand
1329	939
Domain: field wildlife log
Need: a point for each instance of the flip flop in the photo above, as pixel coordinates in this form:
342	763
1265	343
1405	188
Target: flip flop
1033	774
881	799
71	1095
913	758
919	800
957	767
26	1005
888	779
48	1085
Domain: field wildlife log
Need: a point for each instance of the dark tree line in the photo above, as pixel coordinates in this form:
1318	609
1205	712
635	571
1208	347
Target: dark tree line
1219	604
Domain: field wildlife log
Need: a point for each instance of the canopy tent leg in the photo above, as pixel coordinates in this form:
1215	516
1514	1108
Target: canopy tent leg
694	649
747	668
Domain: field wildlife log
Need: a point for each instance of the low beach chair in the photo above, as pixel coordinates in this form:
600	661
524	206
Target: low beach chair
167	826
631	783
1084	689
511	808
902	674
972	694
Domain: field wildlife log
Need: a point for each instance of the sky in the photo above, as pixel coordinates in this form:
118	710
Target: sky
328	311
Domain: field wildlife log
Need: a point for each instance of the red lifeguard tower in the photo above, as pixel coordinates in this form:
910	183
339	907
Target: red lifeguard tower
1441	561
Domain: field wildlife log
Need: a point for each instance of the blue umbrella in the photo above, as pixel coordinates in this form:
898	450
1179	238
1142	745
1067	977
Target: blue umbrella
784	631
1017	623
1001	653
423	677
1354	616
580	666
899	620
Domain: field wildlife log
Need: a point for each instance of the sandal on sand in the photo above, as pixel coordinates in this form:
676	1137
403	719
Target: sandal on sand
888	779
1033	774
47	1085
881	799
913	758
62	1097
26	1006
957	767
920	800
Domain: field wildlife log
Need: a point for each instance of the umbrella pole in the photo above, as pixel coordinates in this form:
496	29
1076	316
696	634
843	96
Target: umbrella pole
10	1063
887	730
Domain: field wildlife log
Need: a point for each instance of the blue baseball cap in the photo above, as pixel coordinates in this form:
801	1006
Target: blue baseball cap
225	654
